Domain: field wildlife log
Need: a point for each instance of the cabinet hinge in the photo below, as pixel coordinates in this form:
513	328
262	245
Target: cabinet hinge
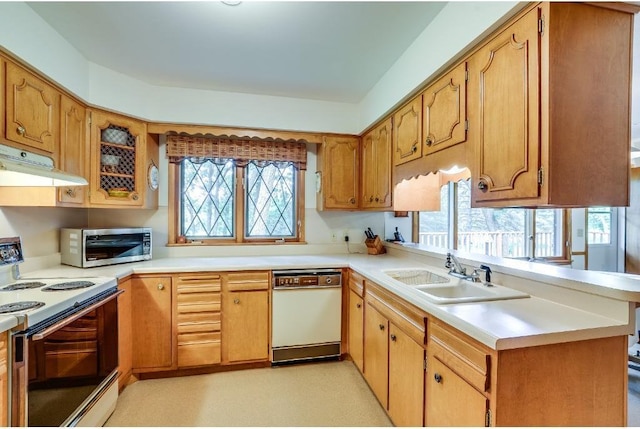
90	118
540	176
541	25
487	419
466	75
466	125
424	365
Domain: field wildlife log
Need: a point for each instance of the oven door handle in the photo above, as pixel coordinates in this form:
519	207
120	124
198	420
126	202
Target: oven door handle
51	329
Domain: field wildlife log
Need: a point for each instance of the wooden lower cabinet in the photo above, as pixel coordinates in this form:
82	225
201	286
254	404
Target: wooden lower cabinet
245	317
406	385
376	353
356	329
198	318
451	401
152	324
393	356
4	385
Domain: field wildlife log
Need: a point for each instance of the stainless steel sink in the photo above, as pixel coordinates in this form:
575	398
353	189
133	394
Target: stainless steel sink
415	277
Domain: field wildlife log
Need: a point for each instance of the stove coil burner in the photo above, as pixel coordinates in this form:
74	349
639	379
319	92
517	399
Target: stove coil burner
22	286
20	306
68	286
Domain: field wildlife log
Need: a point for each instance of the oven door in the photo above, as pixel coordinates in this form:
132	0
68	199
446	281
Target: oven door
65	368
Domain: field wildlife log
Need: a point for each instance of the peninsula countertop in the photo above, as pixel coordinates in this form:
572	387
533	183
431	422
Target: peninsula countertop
503	324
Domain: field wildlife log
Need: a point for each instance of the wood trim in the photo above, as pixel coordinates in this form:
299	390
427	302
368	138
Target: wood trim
262	133
619	6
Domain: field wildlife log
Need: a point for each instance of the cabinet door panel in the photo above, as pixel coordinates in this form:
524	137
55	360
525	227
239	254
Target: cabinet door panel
376	168
451	401
407	132
445	111
32	110
356	329
73	148
406	379
376	358
151	320
340	173
245	326
505	84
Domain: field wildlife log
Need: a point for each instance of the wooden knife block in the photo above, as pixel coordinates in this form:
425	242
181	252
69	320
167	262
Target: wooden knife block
374	246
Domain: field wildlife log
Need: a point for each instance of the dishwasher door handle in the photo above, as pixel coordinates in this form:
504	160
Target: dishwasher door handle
307	287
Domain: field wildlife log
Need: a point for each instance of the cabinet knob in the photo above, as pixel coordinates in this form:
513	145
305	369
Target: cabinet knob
482	185
160	286
414	148
393	337
70	192
21	130
236	301
352	200
135	197
381	327
358	305
377	199
437	377
429	141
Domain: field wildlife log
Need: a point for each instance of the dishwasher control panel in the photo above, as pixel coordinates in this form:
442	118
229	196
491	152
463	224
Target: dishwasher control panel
307	278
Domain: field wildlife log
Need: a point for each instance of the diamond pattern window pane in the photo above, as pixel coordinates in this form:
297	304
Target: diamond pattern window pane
208	199
270	200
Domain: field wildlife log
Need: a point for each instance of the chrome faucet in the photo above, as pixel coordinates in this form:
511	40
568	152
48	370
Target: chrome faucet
455	269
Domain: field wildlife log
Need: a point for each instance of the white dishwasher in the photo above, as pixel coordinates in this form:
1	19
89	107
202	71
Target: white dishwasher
306	315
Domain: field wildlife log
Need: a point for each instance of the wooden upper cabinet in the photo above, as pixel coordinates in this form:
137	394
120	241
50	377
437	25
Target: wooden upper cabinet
339	170
376	168
549	109
32	111
444	109
74	149
407	132
504	94
118	152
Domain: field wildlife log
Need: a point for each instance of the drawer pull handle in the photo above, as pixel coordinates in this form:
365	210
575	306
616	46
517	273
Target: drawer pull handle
236	301
393	337
160	286
437	377
381	327
358	305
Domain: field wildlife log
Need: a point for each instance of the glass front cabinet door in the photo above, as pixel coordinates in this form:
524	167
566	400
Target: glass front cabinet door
117	160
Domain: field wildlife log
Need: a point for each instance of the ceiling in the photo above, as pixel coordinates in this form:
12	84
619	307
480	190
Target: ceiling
334	51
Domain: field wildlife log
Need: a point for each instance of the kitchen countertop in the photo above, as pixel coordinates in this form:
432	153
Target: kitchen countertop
504	324
7	322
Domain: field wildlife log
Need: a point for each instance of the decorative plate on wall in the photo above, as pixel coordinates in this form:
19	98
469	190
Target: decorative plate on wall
152	177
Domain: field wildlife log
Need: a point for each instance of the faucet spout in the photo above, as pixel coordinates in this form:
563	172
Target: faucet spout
454	266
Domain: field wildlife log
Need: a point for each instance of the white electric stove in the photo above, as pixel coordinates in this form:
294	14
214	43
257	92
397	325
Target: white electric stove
39	299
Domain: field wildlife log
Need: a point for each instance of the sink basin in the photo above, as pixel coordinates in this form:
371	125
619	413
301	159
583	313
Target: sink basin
444	289
415	277
465	291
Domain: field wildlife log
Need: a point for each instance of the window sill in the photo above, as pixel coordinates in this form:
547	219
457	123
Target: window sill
233	243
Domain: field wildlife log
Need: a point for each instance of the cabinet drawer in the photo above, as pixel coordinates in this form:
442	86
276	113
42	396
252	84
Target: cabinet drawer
198	322
198	299
199	283
356	283
198	349
248	281
466	360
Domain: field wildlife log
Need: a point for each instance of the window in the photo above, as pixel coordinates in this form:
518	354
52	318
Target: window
599	225
221	200
503	232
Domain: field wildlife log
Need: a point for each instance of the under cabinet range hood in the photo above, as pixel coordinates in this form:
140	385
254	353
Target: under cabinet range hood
21	168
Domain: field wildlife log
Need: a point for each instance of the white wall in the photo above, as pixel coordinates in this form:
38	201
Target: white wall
458	26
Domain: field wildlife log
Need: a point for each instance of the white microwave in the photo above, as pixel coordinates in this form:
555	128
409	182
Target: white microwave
86	248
